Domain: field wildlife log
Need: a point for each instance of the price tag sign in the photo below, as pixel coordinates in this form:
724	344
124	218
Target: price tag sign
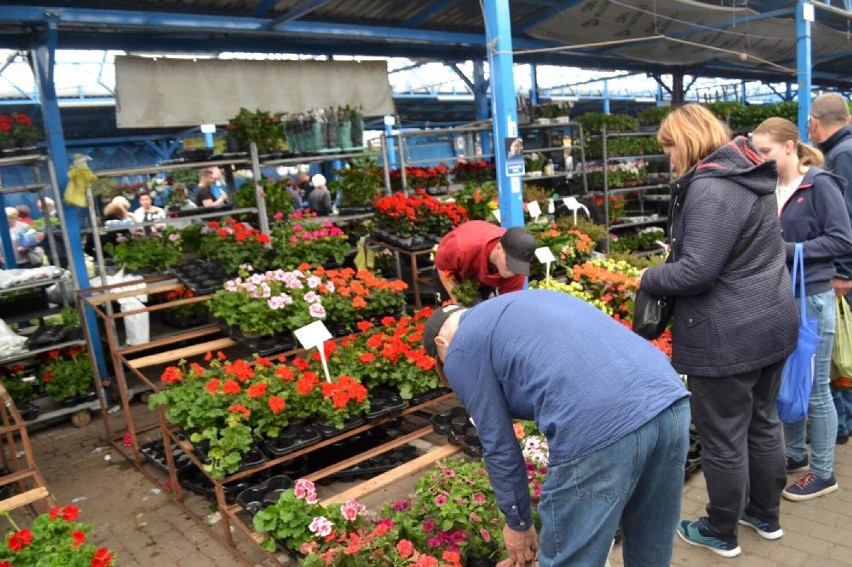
546	257
534	209
314	336
496	213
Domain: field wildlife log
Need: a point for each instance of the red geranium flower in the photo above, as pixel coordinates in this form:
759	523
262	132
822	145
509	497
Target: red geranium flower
102	558
256	390
20	540
276	404
79	538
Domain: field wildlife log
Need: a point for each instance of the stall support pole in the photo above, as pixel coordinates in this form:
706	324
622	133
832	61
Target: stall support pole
804	17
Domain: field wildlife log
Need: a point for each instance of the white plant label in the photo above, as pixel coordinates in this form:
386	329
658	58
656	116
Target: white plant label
546	257
314	336
496	213
534	209
574	205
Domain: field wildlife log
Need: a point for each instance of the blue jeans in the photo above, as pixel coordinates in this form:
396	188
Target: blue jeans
843	403
821	410
638	480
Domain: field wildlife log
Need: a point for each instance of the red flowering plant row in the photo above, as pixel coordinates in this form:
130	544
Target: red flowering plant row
420	177
233	243
390	353
17	129
417	215
276	302
230	406
55	538
478	171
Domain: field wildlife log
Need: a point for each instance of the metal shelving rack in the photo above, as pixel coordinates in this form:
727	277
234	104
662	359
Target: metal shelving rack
48	410
608	191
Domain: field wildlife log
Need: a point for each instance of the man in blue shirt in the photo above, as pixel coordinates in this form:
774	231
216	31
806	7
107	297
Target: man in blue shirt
615	414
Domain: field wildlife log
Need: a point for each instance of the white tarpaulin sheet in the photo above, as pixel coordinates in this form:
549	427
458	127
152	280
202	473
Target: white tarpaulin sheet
773	39
169	92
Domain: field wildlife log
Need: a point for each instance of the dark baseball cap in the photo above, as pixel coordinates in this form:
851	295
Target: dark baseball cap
519	246
433	327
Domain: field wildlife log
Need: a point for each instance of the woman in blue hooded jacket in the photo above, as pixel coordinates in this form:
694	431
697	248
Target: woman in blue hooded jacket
735	320
812	212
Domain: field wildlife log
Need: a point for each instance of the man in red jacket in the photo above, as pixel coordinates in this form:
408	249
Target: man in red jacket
498	258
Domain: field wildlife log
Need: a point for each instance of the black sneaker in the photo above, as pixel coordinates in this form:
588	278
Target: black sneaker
698	534
794	466
766	530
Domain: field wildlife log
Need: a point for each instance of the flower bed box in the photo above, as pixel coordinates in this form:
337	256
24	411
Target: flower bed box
260	496
292	438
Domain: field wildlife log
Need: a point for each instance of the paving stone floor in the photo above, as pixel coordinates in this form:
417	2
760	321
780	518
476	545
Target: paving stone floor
141	523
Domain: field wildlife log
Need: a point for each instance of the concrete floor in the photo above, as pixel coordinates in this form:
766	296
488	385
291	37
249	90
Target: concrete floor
144	527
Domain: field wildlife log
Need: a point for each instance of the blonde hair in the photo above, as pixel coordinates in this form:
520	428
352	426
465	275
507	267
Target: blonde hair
782	130
115	211
695	133
830	109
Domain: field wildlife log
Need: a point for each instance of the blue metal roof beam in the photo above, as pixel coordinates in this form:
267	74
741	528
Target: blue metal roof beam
590	81
263	7
298	12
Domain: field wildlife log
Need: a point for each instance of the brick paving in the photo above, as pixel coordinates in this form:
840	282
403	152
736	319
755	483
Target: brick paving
144	527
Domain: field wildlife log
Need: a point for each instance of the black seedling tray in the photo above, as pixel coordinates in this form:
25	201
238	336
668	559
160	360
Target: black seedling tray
201	485
377	465
266	345
200	276
47	335
384	402
426	396
263	495
291	439
156	455
328	431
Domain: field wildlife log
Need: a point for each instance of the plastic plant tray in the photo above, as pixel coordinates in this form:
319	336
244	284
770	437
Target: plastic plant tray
47	335
260	496
156	455
384	402
291	439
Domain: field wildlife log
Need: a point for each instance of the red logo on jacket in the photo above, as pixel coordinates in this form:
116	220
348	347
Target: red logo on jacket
800	200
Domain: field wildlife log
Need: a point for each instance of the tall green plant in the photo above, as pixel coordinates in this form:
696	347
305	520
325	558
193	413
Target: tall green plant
358	184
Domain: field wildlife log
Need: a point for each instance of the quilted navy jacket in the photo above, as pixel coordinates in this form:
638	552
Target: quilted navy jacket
733	311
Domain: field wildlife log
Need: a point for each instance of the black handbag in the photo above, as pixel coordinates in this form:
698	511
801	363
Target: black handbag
651	314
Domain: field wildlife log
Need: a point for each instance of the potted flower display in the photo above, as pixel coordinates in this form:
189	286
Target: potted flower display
301	240
478	199
358	184
55	538
146	251
433	180
232	243
278	199
416	221
476	171
569	247
22	384
261	127
18	133
186	315
67	376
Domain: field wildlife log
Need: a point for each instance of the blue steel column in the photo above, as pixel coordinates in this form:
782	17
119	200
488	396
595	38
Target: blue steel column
43	52
606	96
803	66
480	97
498	41
389	122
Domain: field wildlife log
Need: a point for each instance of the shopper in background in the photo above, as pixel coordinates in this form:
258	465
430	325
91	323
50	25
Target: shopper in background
24	215
303	184
299	203
812	212
319	199
147	212
729	281
218	187
204	192
498	258
612	408
25	240
829	128
51	207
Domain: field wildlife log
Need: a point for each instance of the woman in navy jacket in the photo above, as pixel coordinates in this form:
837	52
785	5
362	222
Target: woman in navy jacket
812	212
735	320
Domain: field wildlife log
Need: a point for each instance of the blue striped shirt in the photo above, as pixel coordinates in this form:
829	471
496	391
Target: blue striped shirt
585	379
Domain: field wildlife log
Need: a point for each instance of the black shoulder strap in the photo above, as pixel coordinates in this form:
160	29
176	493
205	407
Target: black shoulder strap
744	246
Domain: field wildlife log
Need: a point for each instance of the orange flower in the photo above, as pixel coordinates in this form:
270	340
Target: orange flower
519	430
364	325
239	408
231	387
256	390
213	386
359	303
284	373
367	357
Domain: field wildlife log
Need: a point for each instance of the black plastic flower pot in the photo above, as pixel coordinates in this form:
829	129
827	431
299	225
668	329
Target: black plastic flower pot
384	402
328	430
156	455
475	561
441	423
458	425
424	397
29	411
263	495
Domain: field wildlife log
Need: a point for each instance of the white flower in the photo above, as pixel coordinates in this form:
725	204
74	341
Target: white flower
316	310
314	282
312	297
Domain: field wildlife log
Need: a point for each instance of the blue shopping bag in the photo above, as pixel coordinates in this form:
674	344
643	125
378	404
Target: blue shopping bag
797	378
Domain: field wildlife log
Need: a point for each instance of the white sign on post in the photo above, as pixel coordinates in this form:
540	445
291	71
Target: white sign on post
534	210
315	335
574	205
496	213
545	256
